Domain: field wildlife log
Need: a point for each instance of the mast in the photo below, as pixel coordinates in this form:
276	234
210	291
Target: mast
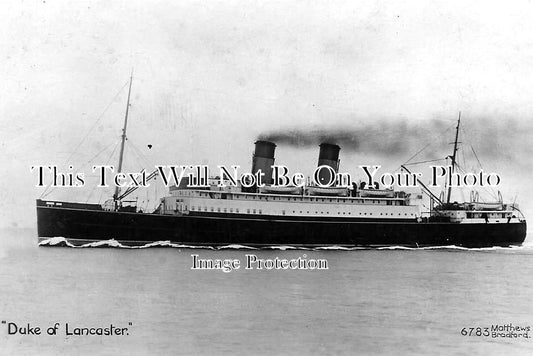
117	189
453	155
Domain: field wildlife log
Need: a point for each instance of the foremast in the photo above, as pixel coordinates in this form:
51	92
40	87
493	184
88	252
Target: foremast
116	197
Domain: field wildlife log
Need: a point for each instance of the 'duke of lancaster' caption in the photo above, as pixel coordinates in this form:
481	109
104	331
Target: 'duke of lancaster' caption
308	216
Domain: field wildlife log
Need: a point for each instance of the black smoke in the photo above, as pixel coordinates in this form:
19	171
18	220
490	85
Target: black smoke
501	139
380	137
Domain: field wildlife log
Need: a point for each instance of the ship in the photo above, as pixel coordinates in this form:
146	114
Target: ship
308	216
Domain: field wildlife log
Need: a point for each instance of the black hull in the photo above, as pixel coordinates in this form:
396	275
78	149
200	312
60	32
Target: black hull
81	224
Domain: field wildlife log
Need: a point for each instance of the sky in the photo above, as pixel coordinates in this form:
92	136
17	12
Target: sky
211	77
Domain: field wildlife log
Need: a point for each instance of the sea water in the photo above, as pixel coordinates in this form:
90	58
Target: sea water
368	301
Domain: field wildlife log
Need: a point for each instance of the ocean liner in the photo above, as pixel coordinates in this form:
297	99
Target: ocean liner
310	216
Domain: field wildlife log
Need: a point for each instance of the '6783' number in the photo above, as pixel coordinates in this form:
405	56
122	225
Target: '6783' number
475	331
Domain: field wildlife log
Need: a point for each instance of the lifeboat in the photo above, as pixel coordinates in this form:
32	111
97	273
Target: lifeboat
487	206
381	193
268	189
329	191
477	205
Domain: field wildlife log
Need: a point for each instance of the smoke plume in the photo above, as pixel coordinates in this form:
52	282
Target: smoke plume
495	139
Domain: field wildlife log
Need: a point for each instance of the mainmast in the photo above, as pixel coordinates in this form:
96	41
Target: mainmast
453	155
117	189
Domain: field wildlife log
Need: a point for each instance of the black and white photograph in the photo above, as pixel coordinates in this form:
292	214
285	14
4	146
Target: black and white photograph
266	177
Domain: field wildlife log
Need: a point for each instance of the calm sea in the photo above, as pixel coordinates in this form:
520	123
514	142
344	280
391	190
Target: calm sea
368	302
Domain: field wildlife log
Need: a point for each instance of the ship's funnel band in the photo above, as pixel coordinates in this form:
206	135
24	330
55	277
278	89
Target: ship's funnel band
264	149
329	151
263	159
328	156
